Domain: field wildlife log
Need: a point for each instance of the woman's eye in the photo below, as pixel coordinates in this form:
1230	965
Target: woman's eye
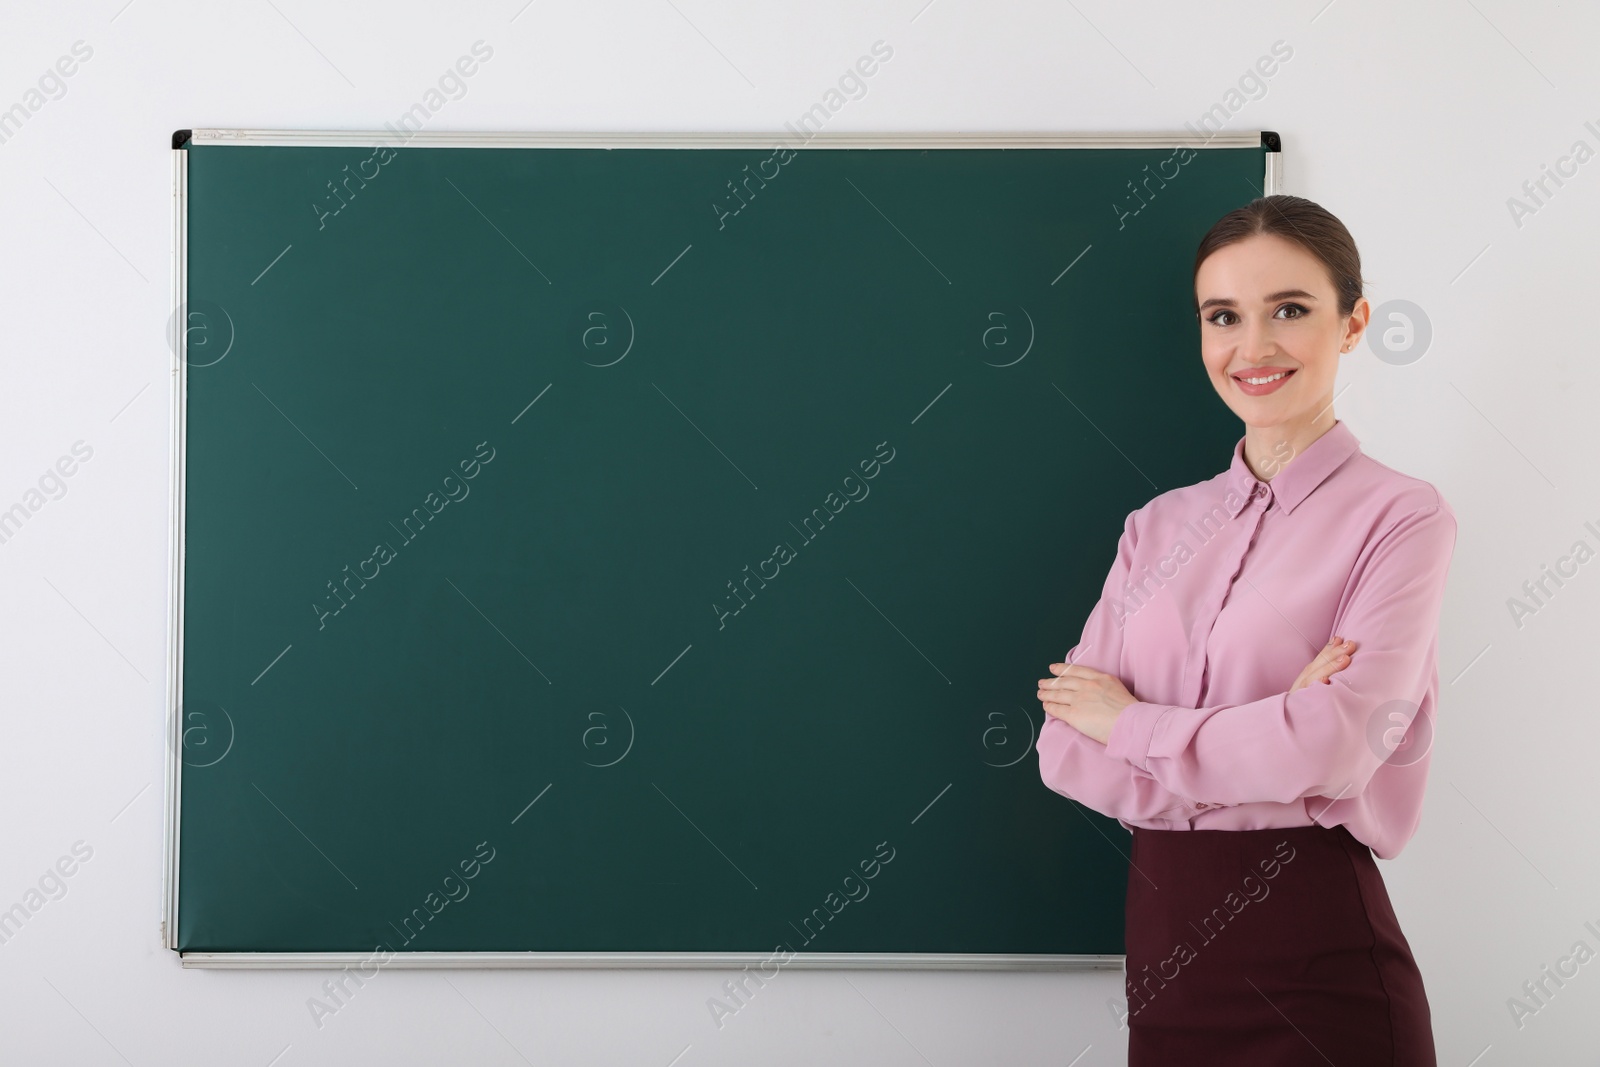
1224	317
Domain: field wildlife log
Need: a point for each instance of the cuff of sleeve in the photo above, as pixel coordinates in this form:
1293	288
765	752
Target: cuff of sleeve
1130	735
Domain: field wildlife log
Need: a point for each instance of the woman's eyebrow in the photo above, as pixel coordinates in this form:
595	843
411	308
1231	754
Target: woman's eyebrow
1282	294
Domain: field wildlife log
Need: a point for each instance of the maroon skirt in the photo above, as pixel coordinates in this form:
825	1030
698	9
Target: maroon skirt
1268	947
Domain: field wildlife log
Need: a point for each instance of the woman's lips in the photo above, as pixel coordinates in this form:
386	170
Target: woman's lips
1265	372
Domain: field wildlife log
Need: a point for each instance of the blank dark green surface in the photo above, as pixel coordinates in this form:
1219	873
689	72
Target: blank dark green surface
878	690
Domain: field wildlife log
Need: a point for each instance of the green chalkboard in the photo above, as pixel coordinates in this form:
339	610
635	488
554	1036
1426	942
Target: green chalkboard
654	549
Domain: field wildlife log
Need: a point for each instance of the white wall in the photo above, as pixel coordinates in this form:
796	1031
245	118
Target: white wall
1414	123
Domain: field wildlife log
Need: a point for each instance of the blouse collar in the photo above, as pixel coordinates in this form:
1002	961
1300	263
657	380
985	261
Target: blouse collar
1298	476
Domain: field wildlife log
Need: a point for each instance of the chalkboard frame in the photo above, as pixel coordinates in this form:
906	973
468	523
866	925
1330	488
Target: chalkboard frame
1272	181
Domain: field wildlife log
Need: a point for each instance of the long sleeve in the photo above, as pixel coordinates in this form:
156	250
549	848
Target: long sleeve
1316	741
1079	767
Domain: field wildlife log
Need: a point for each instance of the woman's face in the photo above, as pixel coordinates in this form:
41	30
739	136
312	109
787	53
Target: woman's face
1268	310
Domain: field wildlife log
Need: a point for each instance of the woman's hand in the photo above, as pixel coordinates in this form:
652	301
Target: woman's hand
1086	699
1089	700
1334	657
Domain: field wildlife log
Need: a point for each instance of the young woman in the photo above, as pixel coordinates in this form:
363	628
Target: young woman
1279	625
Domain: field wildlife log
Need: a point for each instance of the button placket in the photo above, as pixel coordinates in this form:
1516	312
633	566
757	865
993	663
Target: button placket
1195	664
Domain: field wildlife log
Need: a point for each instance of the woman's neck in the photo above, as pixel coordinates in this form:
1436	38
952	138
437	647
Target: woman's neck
1268	449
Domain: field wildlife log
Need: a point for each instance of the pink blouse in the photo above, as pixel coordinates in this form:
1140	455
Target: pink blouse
1220	594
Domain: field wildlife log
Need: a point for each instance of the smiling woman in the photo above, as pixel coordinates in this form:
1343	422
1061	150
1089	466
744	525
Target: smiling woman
1288	345
1234	741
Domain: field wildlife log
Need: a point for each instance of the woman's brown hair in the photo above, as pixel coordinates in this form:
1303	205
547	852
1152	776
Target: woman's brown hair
1306	223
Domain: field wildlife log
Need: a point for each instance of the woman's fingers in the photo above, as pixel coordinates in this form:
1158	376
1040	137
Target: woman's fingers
1055	691
1338	657
1057	711
1059	679
1311	672
1334	657
1331	655
1061	690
